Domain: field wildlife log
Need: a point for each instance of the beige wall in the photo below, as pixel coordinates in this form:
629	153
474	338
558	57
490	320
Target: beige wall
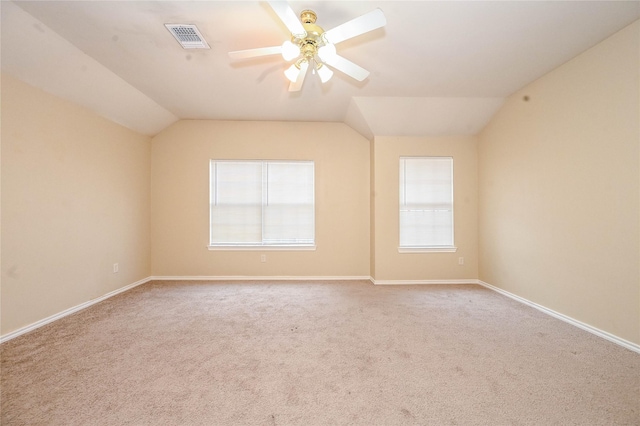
559	189
391	265
75	200
180	197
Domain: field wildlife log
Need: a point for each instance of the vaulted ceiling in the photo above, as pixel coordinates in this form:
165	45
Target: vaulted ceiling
437	67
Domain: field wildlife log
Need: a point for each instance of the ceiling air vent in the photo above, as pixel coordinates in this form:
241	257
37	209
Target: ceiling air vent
188	36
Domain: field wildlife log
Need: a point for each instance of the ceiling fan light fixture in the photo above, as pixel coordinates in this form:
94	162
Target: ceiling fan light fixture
324	72
312	47
303	65
290	51
292	72
327	52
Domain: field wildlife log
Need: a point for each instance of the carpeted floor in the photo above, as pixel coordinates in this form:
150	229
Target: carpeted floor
315	353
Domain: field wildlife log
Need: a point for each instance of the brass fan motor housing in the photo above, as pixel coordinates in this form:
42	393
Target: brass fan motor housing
310	44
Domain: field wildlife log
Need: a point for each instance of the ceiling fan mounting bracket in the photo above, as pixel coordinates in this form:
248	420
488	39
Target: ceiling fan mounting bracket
308	16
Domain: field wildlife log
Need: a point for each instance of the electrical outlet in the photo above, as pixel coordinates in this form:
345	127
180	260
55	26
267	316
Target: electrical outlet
263	258
116	268
461	261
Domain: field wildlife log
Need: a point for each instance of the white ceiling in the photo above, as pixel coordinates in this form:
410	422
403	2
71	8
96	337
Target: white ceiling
437	67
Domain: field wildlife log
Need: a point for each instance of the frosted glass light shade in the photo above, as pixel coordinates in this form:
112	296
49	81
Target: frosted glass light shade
325	73
327	52
292	73
290	51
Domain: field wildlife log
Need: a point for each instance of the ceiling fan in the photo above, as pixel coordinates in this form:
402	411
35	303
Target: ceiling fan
312	47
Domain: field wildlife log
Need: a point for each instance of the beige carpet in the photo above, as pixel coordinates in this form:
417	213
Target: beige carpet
320	353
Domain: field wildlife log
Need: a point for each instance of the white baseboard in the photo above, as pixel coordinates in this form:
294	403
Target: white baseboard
422	282
69	311
600	333
258	278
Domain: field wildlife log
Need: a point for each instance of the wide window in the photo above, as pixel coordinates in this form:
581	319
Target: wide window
426	204
262	204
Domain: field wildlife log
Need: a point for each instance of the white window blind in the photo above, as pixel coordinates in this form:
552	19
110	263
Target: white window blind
426	202
262	203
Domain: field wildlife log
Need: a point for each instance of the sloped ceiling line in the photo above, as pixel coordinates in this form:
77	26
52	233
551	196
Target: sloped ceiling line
37	55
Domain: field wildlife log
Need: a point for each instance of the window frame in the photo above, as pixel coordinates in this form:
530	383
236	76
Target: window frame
426	248
260	246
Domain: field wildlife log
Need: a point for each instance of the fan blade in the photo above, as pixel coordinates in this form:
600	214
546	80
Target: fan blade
289	18
360	25
297	85
252	53
347	67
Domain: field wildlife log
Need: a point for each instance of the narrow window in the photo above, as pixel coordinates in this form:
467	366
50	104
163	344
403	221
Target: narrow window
262	204
426	204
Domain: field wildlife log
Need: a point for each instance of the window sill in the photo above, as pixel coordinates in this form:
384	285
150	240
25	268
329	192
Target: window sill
447	249
261	248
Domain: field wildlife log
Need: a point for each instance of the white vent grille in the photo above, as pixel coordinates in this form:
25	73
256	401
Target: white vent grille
188	36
